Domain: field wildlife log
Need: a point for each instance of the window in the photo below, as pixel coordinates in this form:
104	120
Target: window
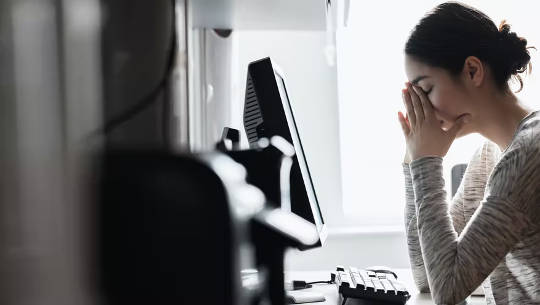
370	76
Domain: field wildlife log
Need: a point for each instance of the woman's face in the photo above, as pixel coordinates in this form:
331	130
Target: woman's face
446	94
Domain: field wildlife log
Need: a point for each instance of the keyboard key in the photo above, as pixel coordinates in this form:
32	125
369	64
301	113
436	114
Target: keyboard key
369	284
358	279
388	286
381	276
400	288
364	275
367	280
346	280
353	280
377	284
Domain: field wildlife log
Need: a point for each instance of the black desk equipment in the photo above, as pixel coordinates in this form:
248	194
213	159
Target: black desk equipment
370	286
179	229
185	229
268	112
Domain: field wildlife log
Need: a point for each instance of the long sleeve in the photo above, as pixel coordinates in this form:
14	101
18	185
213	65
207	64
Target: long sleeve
467	198
411	231
456	265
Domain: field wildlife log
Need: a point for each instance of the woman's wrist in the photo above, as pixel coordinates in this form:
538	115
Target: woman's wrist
407	159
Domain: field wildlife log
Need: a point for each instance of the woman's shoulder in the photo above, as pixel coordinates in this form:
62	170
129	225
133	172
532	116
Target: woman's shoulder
487	154
490	150
523	152
517	174
526	142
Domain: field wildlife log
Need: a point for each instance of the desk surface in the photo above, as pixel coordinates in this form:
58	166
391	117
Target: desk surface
332	296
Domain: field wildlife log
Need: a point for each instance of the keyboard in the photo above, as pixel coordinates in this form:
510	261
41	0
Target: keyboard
368	284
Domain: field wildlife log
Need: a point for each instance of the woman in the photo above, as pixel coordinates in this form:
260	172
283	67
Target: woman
458	64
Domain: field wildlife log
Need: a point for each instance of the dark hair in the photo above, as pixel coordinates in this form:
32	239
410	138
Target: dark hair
452	31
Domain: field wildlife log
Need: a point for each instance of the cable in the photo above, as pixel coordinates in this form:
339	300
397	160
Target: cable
151	97
320	282
297	285
344	301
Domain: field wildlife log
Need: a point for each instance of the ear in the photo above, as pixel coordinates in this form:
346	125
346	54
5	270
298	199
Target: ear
473	71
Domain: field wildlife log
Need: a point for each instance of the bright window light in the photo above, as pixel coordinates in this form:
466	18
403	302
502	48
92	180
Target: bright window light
370	78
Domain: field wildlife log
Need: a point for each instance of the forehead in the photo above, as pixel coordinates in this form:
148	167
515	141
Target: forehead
415	68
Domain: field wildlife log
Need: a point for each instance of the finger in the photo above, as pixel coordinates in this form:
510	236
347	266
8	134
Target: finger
406	119
404	125
458	125
426	103
409	107
417	105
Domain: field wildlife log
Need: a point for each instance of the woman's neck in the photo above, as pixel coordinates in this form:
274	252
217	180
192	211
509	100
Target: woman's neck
499	121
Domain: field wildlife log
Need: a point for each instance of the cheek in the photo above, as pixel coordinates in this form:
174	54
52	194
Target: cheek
443	110
445	104
439	101
440	109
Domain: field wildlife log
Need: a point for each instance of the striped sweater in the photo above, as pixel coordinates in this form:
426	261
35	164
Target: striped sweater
489	233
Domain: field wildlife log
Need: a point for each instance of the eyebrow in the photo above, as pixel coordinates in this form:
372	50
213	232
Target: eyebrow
419	78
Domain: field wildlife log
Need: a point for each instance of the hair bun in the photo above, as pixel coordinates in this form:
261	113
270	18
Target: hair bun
514	49
514	53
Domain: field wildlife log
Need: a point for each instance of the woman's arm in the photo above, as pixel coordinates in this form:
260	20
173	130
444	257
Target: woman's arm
411	233
475	177
456	265
411	229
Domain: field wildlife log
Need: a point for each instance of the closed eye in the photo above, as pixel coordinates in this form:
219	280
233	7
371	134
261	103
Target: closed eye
429	91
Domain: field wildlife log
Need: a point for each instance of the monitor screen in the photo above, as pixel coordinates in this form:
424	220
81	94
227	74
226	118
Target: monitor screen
268	112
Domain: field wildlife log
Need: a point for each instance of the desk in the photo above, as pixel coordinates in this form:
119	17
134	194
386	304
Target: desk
332	296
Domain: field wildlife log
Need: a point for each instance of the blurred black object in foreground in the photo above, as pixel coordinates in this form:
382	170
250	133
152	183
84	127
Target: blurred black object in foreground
179	229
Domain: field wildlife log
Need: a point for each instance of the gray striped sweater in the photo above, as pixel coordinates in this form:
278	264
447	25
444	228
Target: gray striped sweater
489	232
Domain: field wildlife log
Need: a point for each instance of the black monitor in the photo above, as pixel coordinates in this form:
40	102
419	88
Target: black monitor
268	112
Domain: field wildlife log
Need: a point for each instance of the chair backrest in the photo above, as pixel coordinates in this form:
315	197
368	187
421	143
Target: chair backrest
457	174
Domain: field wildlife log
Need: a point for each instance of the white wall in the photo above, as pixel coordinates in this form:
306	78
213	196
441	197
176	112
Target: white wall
354	248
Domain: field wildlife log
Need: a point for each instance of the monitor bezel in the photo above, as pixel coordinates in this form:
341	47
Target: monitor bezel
299	150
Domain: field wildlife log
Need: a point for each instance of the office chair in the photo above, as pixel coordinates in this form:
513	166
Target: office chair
457	174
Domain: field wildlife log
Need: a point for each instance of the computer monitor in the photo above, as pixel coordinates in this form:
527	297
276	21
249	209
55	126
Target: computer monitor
268	112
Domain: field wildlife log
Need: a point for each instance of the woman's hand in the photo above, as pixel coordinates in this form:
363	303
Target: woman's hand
422	130
405	121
